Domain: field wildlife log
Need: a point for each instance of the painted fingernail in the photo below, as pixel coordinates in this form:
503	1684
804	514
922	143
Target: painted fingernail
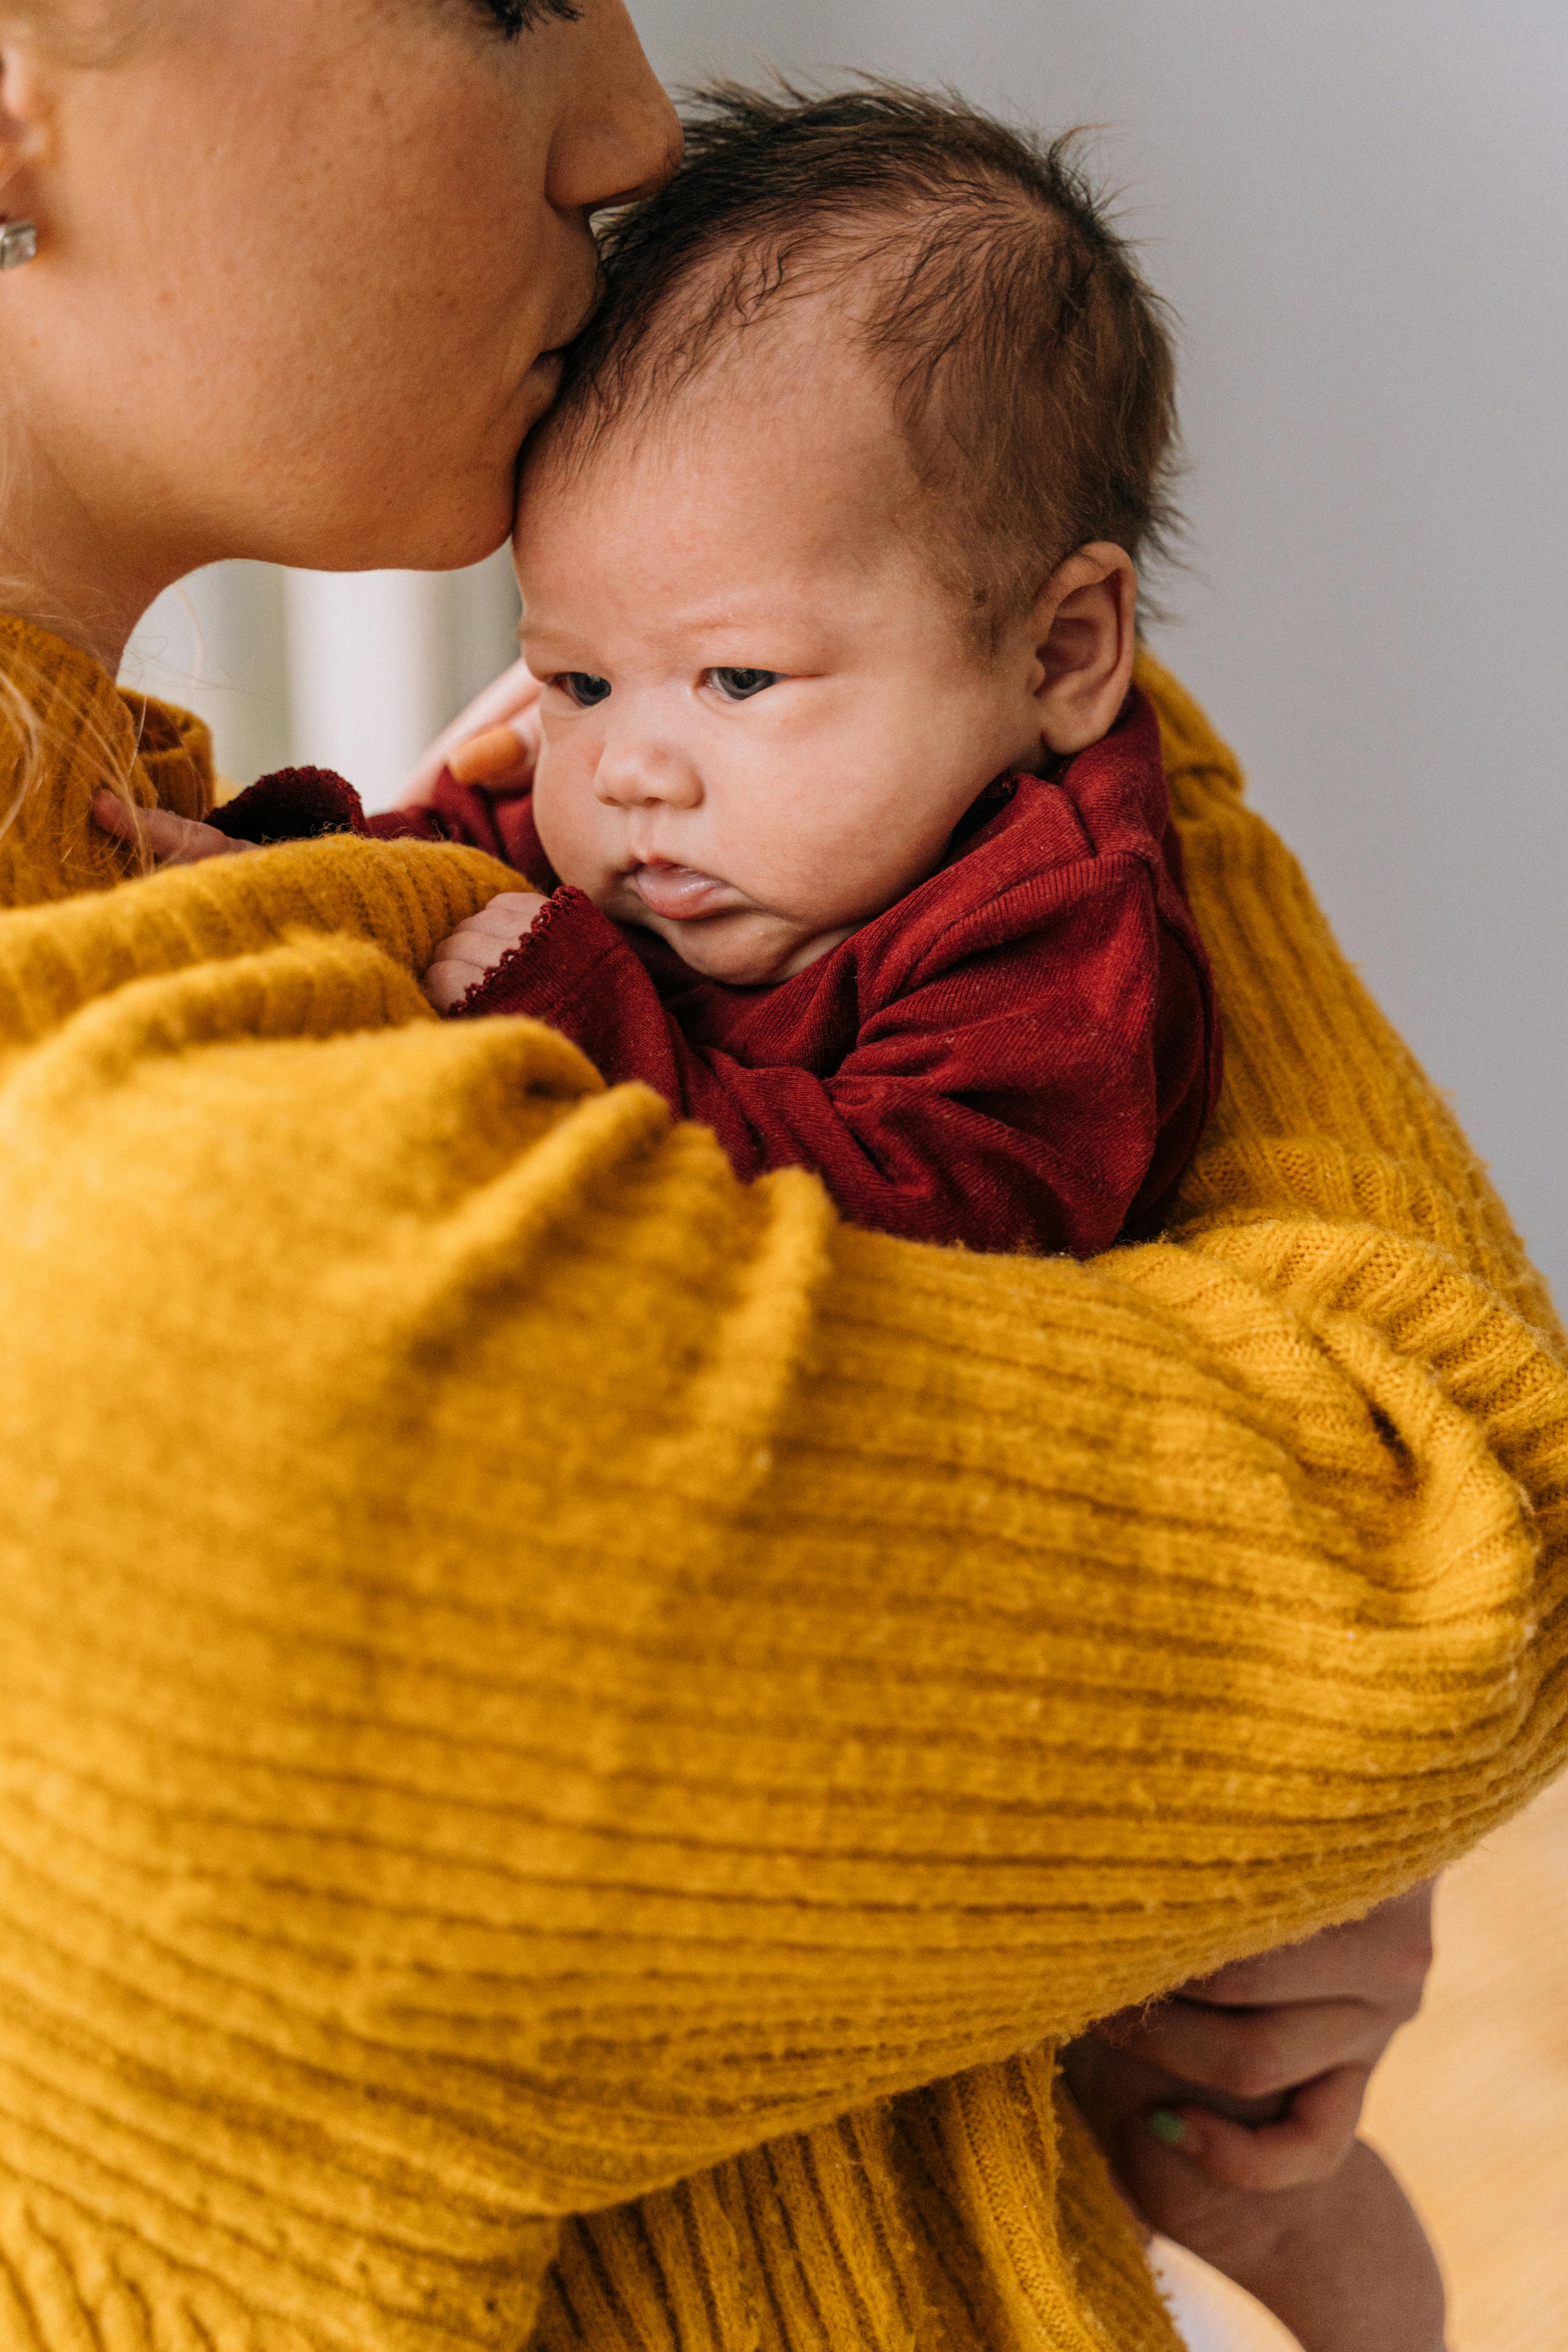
1168	2126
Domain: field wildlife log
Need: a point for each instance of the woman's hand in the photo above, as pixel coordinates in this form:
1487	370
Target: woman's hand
1261	2070
1343	2263
495	742
1229	2111
168	839
472	951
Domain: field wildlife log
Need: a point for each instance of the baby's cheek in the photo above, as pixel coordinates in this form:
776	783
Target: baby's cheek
830	875
564	814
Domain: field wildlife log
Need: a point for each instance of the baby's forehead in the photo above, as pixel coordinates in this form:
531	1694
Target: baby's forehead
792	404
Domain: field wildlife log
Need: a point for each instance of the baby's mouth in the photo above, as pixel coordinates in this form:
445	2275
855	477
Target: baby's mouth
680	894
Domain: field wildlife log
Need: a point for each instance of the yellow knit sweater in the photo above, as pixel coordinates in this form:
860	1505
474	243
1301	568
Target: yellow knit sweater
535	1677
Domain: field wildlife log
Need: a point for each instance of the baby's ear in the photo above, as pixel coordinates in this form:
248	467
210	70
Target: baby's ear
1084	625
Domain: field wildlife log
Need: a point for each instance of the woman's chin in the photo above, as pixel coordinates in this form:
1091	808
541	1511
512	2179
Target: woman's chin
540	385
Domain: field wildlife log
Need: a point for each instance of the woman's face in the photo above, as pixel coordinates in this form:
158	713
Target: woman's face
300	264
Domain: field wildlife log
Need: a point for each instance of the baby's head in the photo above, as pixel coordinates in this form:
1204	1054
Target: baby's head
837	518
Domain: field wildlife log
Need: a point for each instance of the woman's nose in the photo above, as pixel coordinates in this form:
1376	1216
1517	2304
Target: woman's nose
646	776
623	138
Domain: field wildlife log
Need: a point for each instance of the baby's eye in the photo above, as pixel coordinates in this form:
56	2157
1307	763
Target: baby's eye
739	685
584	688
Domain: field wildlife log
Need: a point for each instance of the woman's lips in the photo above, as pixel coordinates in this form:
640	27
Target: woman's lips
679	893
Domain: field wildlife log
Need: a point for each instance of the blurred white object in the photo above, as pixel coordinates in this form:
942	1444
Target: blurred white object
379	662
1211	2312
369	672
215	644
352	670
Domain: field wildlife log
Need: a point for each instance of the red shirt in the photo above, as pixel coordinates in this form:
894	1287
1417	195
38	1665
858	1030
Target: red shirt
1019	1055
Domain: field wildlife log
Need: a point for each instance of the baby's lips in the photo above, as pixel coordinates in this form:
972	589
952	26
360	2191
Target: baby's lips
679	893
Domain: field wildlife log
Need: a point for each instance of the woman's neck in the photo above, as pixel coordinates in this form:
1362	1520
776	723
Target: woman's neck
61	569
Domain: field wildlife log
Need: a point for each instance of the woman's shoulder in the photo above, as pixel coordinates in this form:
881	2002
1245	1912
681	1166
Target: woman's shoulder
66	729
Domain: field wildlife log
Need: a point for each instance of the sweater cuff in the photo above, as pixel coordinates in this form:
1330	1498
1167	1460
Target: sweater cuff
294	804
571	951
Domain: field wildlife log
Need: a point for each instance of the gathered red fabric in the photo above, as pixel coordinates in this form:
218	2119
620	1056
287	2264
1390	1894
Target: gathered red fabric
1019	1055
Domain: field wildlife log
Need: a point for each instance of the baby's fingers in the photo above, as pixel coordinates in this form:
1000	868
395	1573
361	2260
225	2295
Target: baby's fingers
508	918
478	945
1309	2141
169	840
450	977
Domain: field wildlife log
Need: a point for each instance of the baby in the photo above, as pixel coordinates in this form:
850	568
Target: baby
852	838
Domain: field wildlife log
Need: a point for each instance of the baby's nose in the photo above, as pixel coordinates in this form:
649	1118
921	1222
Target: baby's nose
642	775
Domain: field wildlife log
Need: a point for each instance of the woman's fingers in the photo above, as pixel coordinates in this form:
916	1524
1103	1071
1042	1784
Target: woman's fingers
1383	1957
168	839
1229	2111
1309	2142
1255	2029
1343	2263
1139	2114
501	755
506	709
1255	2053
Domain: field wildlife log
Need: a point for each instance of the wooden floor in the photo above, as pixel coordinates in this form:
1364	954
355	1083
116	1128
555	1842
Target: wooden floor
1472	2104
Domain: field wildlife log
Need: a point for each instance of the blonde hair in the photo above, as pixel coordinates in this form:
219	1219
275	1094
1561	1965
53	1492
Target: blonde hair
34	741
19	718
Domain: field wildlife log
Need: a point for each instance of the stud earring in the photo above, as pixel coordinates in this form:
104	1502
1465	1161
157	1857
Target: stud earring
18	243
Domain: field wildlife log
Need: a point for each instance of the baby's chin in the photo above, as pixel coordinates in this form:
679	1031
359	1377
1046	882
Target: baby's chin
744	951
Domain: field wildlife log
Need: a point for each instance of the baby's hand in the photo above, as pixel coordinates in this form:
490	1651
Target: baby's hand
170	840
472	951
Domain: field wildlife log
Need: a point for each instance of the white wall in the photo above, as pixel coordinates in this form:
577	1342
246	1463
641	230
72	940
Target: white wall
1360	213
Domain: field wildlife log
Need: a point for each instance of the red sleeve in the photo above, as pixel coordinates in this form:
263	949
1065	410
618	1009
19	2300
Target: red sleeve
302	804
292	804
1017	1098
499	823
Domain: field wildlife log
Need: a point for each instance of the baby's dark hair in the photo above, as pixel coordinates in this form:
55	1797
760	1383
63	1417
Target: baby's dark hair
1030	364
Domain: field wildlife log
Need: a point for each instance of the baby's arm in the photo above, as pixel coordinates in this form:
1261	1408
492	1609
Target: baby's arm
1003	1098
306	805
1229	2111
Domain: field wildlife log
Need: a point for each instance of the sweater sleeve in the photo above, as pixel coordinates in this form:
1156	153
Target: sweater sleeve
532	1666
1013	1098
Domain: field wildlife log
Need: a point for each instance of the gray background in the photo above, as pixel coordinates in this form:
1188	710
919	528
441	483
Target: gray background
1359	213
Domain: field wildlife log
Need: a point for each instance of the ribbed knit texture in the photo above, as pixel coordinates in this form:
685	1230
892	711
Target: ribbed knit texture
536	1678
